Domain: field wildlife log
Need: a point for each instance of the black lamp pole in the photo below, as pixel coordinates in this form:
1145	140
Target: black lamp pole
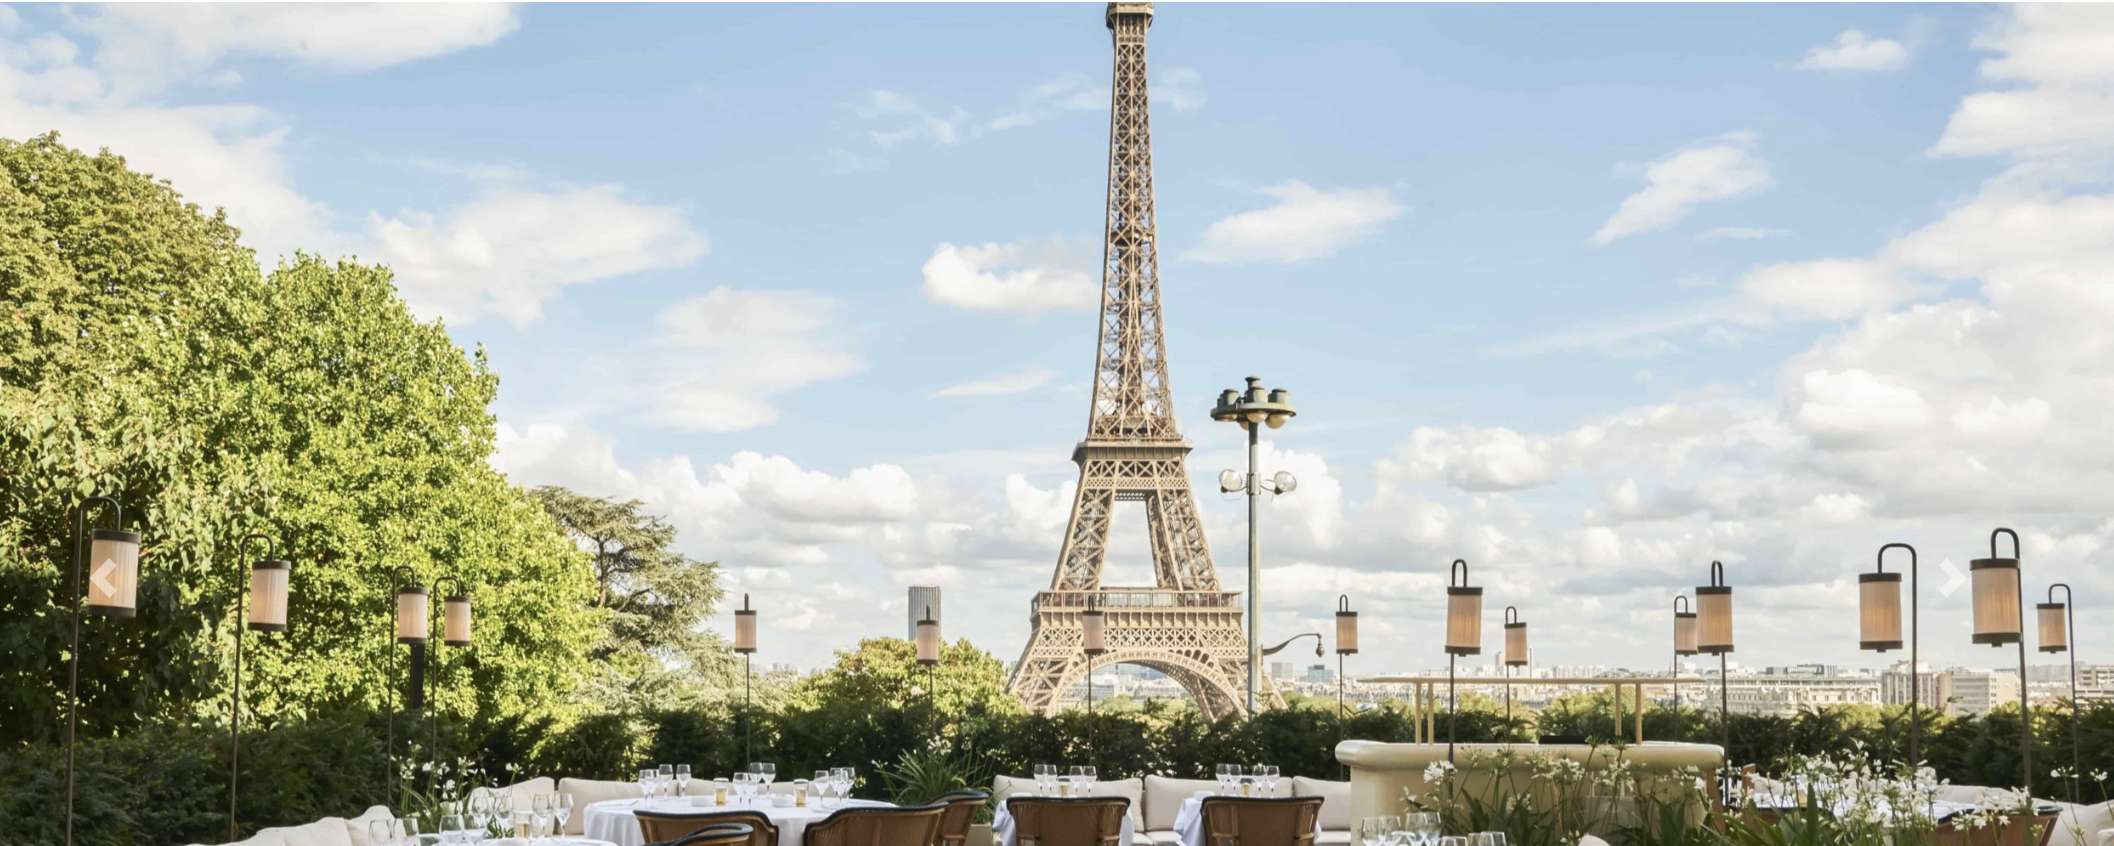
74	598
2069	609
235	696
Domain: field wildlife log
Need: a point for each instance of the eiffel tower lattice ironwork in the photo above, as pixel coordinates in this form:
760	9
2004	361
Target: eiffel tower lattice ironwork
1184	626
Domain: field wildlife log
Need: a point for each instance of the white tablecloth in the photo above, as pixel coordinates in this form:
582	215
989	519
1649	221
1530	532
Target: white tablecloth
614	821
1189	821
1002	828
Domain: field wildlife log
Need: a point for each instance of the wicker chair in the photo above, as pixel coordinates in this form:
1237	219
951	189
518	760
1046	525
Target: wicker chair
717	834
961	808
1090	821
662	826
917	826
1234	821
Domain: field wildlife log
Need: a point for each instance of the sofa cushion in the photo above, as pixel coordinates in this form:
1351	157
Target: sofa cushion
1335	800
1164	797
587	791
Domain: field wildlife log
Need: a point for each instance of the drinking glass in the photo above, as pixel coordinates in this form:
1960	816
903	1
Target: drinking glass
766	772
562	808
646	778
480	807
845	778
1046	779
1493	838
452	829
407	831
541	826
1424	827
682	779
666	773
518	822
744	787
381	831
1269	777
1453	840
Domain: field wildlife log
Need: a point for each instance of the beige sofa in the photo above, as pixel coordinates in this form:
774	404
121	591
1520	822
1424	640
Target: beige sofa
1154	802
328	831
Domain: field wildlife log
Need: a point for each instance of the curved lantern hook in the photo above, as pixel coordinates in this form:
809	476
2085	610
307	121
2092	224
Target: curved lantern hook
1717	574
1880	561
1511	614
1460	567
2066	594
1681	605
1993	542
1343	603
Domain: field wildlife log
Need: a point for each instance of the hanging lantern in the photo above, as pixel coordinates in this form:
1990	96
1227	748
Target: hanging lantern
411	610
113	572
928	639
1464	612
745	627
1093	629
1879	606
1684	627
1346	627
268	588
2054	619
455	618
1714	613
1515	639
1998	618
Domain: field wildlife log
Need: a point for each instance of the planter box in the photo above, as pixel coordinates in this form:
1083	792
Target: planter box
2013	831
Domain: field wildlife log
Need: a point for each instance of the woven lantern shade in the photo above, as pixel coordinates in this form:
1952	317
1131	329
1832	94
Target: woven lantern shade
455	619
1464	613
1997	614
268	587
1346	627
113	573
745	627
2054	618
411	610
1879	611
1093	630
1515	638
1684	627
928	639
1714	613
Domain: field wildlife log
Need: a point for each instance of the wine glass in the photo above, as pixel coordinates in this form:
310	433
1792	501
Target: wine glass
646	778
666	774
765	772
1424	826
480	807
845	778
1046	779
682	779
407	831
452	829
744	786
1268	774
1453	840
562	808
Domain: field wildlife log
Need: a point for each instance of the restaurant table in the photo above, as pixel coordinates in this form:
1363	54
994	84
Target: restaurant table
1003	834
615	820
1189	821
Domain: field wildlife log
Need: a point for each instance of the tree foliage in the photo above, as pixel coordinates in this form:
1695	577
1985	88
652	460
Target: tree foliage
657	602
144	356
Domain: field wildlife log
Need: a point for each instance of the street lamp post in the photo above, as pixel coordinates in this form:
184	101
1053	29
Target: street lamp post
1684	642
1464	636
1714	637
1999	619
2054	617
1346	644
111	559
745	643
267	613
1268	408
1879	629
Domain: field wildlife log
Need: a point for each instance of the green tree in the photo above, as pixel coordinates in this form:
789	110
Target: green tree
144	356
658	603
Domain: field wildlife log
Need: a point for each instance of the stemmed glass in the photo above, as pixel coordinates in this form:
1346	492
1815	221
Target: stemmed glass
646	778
1423	827
666	775
1228	778
503	808
1266	774
823	782
407	831
1046	779
1487	838
765	773
453	829
480	807
562	809
845	777
1083	779
1453	840
744	787
682	779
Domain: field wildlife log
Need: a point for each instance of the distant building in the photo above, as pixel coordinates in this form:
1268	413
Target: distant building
1935	687
922	598
1977	692
1784	694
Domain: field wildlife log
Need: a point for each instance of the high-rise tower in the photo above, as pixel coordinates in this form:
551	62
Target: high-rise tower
1184	625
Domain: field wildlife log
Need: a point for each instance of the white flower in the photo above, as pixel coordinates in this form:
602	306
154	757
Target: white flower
1437	771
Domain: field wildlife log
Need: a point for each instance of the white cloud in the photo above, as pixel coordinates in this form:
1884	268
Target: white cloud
1856	407
741	350
1304	223
1720	169
1067	93
1855	51
512	250
1742	233
2062	59
1009	384
1018	276
1181	88
898	119
1827	289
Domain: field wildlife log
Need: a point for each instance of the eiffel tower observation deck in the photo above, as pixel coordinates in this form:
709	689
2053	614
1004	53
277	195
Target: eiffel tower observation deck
1183	625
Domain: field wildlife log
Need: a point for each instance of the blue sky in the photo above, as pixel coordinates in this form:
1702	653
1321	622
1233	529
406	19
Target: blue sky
1586	295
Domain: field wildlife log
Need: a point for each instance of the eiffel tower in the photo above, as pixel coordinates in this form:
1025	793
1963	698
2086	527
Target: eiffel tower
1184	626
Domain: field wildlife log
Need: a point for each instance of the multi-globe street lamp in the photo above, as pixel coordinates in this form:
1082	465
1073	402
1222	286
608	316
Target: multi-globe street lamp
1253	409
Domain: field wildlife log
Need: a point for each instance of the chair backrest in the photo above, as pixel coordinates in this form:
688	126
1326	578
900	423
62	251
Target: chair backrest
916	826
663	827
1235	821
1090	821
961	808
718	834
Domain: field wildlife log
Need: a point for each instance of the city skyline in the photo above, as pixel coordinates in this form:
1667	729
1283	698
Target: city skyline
1583	323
